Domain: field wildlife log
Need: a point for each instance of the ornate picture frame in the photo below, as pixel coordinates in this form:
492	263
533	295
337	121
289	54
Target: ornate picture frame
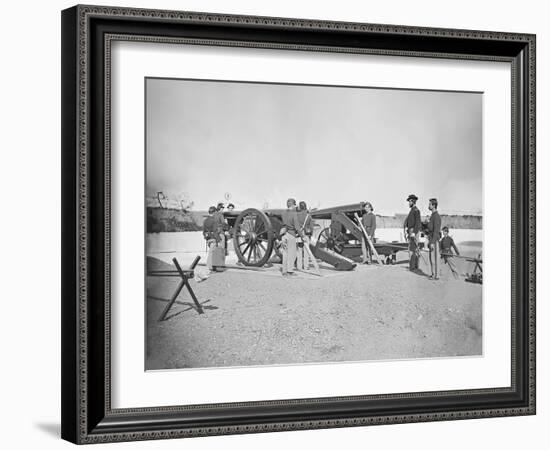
87	35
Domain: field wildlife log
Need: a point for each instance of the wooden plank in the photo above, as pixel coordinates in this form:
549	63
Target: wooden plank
312	257
369	240
186	282
347	223
172	301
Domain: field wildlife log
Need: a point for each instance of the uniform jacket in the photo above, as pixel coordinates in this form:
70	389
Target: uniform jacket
210	228
291	222
220	221
369	222
447	243
413	221
434	227
305	222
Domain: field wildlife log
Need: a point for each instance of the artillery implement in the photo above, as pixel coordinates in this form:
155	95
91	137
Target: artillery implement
339	243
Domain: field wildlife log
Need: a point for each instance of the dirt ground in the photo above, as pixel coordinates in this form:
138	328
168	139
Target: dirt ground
258	317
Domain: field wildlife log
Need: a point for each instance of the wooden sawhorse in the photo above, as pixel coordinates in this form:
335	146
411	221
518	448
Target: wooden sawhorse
185	276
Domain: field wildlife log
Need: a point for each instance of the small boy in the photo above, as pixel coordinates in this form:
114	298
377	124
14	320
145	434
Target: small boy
447	245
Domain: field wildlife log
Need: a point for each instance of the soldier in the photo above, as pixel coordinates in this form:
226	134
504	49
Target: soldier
229	232
369	223
290	229
434	231
211	235
447	244
306	226
412	228
222	225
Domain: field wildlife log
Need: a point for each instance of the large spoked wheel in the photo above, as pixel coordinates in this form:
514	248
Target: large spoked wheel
330	240
253	237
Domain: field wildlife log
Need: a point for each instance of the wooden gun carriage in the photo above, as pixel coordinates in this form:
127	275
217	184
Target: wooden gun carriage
255	233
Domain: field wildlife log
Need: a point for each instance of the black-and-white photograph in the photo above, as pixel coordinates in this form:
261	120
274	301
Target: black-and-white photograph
296	224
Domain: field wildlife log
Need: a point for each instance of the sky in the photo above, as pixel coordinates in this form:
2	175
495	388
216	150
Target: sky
257	144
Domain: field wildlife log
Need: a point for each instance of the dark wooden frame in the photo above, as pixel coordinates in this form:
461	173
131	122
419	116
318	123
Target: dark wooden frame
87	31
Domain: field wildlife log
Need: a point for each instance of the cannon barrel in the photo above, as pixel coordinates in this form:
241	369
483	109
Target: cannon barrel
326	213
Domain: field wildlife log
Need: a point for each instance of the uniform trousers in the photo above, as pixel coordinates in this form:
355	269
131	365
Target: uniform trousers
302	255
366	250
434	258
449	260
413	247
212	244
288	250
223	242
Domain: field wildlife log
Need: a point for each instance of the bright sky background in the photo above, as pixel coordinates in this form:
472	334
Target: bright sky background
263	143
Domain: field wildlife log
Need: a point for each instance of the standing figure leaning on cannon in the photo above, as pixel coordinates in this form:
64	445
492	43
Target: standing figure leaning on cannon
412	226
213	232
222	226
306	225
290	230
369	224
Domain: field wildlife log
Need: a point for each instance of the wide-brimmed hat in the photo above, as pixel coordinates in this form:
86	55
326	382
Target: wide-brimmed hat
412	197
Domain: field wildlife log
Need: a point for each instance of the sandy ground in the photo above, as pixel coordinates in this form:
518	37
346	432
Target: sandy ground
258	317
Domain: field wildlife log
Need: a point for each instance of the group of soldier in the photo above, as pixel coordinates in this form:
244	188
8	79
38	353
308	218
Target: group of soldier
293	240
440	244
294	237
297	229
216	233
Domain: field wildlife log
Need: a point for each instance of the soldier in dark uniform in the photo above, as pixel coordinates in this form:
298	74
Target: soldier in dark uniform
369	223
222	225
447	244
412	227
434	231
211	235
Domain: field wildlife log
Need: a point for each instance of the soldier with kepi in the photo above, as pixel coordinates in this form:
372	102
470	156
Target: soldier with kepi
412	226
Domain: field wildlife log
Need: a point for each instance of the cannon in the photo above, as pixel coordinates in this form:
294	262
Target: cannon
344	234
255	233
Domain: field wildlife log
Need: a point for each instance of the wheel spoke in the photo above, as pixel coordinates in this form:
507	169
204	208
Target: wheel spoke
262	245
249	249
244	253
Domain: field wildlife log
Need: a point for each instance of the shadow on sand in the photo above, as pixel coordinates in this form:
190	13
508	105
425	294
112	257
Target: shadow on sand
418	272
189	306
